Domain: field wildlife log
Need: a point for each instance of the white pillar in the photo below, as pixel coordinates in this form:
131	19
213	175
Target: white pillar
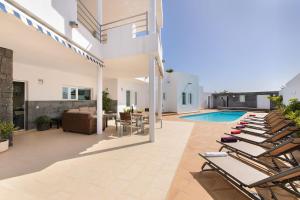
159	98
99	101
152	16
152	95
100	11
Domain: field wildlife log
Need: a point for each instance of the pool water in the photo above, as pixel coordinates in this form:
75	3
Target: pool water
224	116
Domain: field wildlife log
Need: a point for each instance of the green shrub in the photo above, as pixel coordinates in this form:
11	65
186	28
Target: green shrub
42	120
278	101
106	101
6	129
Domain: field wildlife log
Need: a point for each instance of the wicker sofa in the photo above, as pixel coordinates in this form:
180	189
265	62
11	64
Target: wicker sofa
82	120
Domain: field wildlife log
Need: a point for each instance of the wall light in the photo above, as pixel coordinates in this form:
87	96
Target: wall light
73	24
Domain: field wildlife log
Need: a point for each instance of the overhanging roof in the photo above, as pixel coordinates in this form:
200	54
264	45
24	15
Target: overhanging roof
28	20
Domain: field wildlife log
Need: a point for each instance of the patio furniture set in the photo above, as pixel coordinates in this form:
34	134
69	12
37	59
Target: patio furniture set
84	120
259	154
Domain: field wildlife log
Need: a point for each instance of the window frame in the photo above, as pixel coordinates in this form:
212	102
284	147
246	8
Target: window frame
242	98
128	103
135	98
190	98
72	88
183	98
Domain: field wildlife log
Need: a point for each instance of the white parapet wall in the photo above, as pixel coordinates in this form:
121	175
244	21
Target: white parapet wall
291	90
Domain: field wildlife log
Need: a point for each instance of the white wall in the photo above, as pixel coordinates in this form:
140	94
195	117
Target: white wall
203	98
174	85
53	81
112	86
117	91
169	89
292	89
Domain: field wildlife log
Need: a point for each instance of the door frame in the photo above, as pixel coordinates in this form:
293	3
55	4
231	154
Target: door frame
25	102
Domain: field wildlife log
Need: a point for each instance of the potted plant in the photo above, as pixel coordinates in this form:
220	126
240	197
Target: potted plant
42	123
6	131
106	101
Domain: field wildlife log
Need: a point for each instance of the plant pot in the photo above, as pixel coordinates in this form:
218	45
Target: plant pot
10	139
3	145
43	127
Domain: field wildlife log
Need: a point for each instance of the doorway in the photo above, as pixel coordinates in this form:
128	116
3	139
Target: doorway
19	105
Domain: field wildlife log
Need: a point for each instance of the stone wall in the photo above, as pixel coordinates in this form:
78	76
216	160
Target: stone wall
50	108
232	100
6	84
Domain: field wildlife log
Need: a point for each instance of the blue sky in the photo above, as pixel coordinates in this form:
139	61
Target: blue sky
234	45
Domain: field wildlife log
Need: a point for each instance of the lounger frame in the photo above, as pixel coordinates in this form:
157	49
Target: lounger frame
289	159
243	187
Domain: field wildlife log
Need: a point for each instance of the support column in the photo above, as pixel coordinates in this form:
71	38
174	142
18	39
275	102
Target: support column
159	98
6	85
152	16
152	98
99	101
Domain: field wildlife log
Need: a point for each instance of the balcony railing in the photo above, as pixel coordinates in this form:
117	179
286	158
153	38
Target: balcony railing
139	25
86	18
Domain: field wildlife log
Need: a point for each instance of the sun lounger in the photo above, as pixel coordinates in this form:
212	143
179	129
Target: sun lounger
271	131
255	152
245	177
267	125
258	140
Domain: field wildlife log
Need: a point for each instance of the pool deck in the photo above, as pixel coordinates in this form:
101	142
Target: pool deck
190	184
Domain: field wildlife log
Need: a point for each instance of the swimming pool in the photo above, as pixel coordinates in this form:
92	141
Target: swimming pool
224	116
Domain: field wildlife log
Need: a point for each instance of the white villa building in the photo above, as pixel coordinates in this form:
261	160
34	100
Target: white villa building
291	90
58	55
181	93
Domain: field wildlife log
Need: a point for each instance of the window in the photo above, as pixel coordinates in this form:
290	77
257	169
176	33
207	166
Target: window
190	98
65	93
84	94
73	93
135	98
164	96
183	98
127	98
242	98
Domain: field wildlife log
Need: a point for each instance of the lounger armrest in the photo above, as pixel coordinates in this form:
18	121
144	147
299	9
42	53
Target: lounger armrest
281	177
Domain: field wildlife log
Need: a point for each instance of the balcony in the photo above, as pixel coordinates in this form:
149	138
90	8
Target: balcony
87	16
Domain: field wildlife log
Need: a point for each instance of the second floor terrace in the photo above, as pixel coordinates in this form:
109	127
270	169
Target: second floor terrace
106	28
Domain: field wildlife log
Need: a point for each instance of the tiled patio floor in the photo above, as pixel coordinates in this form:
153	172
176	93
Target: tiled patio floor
66	166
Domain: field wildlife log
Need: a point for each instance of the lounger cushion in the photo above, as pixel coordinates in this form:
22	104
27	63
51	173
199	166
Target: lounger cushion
252	138
235	131
255	126
228	139
239	170
240	126
250	149
252	130
243	123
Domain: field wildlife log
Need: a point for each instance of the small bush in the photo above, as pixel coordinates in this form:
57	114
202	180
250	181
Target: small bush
42	120
6	129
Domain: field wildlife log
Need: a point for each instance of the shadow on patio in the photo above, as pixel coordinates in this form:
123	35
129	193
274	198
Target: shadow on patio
34	151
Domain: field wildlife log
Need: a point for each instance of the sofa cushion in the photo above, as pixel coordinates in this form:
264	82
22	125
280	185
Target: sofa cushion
84	109
73	110
93	110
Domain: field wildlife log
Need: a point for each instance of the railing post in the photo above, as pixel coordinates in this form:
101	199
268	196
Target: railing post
147	23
